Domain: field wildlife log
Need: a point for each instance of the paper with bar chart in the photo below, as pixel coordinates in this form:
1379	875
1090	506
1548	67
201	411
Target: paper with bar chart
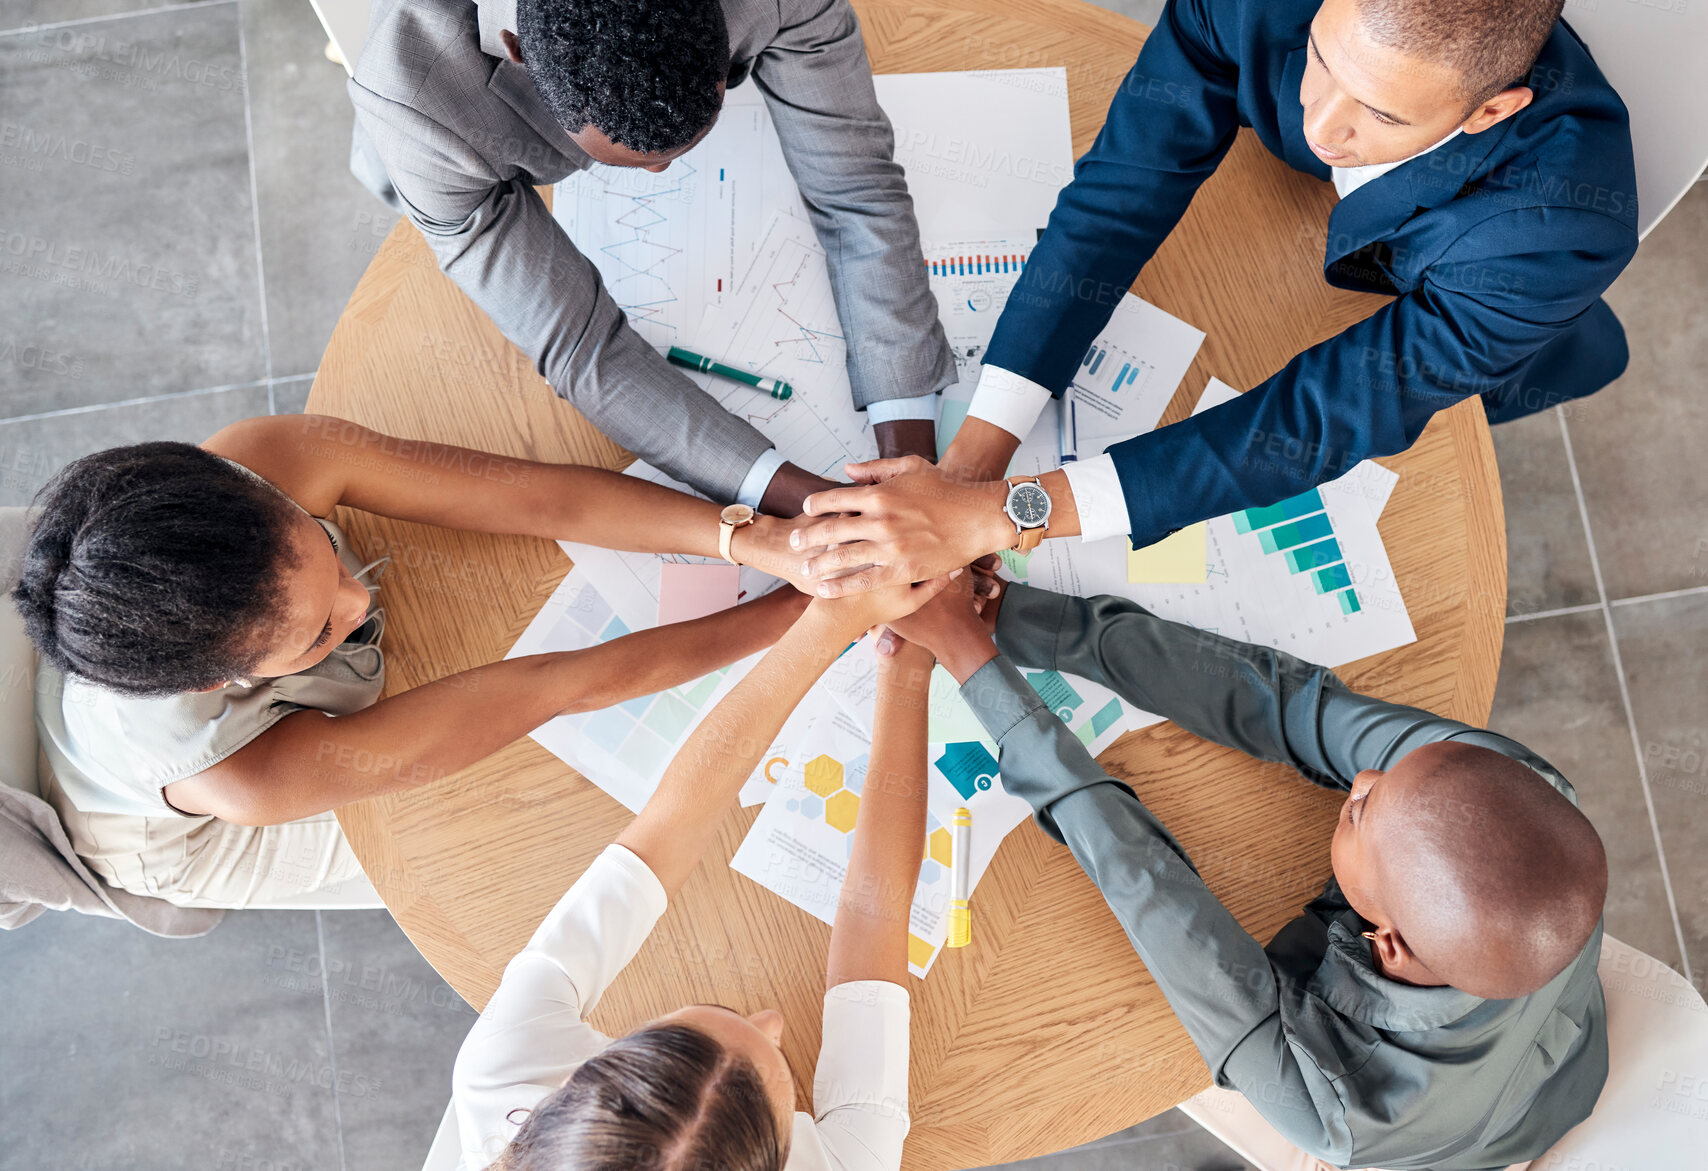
1308	575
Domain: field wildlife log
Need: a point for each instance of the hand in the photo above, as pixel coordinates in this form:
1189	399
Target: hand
912	522
859	612
764	544
982	585
955	609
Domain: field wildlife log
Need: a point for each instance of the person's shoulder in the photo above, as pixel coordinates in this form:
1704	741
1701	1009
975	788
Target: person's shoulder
412	43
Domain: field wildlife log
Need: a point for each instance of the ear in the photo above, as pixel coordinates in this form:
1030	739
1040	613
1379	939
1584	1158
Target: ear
512	46
1395	958
1498	108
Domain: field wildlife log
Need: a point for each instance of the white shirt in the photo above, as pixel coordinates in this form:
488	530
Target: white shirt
533	1033
1005	399
1349	179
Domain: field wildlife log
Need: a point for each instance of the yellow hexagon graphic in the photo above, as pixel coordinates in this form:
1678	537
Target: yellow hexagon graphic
939	846
824	775
841	810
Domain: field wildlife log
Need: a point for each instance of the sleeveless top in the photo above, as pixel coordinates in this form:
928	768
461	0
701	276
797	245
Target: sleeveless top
114	753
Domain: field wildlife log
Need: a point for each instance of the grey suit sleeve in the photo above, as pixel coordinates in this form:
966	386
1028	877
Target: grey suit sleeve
496	239
1262	701
841	152
1216	976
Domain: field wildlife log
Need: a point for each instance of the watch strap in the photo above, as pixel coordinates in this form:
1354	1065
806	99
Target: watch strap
726	533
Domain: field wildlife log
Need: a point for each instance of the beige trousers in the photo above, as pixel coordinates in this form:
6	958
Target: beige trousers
1234	1120
206	862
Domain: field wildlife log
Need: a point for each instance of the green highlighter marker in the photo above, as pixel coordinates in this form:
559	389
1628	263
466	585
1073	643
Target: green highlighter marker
689	360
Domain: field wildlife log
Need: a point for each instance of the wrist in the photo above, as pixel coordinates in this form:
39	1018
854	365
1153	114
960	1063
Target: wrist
997	530
964	648
900	437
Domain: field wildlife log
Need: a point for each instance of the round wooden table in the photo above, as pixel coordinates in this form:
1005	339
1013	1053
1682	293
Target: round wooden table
1048	1031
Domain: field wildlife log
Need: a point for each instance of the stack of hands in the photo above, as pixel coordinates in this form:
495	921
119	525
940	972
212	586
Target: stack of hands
903	523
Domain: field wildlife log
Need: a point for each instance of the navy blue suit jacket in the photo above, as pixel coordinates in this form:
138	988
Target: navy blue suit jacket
1497	247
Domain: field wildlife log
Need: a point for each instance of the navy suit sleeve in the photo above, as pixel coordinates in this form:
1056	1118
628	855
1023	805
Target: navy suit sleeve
1506	289
1170	124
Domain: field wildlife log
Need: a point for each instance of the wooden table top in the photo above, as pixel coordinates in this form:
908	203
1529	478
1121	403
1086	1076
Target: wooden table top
1048	1031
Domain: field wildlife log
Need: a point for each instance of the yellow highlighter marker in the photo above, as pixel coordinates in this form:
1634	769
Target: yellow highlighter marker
960	873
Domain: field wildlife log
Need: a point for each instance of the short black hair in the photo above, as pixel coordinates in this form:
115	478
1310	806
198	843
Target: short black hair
149	568
1492	43
644	72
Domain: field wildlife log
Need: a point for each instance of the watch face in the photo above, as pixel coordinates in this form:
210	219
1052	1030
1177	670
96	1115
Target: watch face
1029	505
736	514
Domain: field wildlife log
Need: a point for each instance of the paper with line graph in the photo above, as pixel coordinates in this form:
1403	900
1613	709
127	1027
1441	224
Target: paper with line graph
782	323
671	244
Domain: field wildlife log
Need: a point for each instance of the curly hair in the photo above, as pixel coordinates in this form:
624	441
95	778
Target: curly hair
666	1098
150	567
644	72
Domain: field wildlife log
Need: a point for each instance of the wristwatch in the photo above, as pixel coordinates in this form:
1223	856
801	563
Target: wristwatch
733	517
1028	506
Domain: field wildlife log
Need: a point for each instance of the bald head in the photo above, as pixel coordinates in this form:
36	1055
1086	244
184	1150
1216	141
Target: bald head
1476	869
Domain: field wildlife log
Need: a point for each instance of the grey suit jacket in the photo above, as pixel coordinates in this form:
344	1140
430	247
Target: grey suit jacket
1350	1066
455	137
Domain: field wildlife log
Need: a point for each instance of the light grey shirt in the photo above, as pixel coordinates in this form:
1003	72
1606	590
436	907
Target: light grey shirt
455	137
1348	1065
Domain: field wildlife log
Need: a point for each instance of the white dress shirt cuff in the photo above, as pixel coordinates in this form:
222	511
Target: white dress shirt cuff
758	478
1098	496
894	410
1007	400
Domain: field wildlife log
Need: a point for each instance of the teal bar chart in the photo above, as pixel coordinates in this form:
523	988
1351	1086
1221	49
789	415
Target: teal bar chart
1300	532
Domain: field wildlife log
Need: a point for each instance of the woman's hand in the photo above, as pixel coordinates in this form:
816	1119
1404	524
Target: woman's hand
857	613
905	520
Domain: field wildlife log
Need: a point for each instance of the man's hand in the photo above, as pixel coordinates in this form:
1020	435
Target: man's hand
913	522
954	627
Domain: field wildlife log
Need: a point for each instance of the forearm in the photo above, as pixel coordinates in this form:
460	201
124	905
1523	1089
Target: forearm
310	763
869	939
679	820
980	450
1215	976
1262	701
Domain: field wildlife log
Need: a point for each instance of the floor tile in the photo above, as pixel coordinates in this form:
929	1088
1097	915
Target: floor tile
34	449
319	227
1665	648
23	17
132	270
396	1020
1639	442
290	395
1558	694
127	1052
1169	1142
1547	554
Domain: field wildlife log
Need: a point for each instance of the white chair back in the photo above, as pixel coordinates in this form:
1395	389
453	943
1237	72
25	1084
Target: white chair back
1653	1112
17	666
1655	52
346	25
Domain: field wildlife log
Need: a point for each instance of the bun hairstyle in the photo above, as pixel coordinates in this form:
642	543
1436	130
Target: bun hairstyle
667	1098
149	568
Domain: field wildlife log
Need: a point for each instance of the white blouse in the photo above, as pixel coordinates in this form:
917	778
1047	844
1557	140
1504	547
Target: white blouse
533	1033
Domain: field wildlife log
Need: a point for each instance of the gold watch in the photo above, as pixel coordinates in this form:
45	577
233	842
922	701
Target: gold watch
733	517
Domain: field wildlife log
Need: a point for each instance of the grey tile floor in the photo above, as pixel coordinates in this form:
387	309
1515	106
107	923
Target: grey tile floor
190	272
